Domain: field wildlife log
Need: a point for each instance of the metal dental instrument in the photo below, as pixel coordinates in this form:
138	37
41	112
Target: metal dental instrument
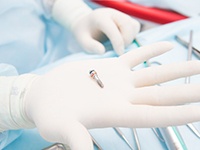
158	136
171	136
119	132
57	146
190	46
183	42
193	129
187	81
96	143
136	139
189	55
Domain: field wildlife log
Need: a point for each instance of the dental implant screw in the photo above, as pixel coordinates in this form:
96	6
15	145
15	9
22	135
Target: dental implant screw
94	75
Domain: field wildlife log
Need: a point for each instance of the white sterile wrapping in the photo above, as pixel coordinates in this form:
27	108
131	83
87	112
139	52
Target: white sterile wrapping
12	91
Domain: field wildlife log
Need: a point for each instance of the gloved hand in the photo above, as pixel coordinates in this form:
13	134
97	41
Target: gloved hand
65	102
91	28
117	26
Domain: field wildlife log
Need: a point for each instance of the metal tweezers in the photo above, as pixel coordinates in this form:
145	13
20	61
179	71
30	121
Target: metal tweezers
120	133
186	44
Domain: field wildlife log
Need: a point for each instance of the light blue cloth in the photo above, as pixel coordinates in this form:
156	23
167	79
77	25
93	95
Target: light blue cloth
8	137
29	39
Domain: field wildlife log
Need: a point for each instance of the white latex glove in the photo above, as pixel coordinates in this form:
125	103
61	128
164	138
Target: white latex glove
90	28
66	102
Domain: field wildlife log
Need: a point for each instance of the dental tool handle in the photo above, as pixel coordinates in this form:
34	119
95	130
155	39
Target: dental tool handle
189	55
121	134
96	143
194	129
173	138
136	139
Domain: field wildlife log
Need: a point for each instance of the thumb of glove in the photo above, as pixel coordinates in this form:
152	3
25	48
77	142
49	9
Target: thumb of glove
72	133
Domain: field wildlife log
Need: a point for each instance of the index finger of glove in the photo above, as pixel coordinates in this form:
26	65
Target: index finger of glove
111	30
144	53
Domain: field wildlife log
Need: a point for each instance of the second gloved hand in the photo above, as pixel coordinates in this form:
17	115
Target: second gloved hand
94	28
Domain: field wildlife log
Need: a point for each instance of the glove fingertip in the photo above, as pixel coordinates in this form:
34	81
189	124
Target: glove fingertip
120	50
98	49
133	31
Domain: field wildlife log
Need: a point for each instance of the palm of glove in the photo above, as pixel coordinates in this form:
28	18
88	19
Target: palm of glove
66	101
70	88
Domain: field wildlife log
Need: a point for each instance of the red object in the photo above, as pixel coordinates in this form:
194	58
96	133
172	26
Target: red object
157	15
